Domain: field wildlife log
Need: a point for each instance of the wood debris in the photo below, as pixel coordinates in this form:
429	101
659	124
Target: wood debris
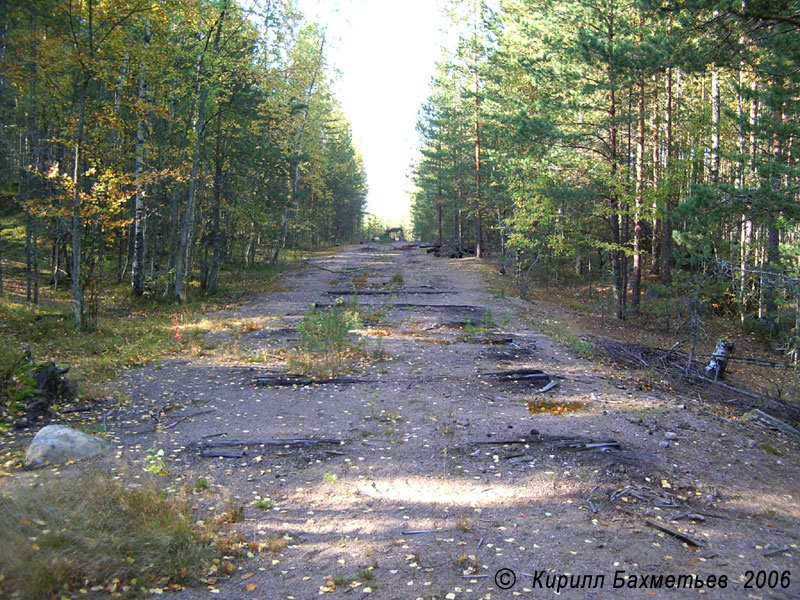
681	536
386	292
524	375
290	379
775	423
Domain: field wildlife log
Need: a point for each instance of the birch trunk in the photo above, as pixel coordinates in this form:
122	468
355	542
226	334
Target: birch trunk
199	128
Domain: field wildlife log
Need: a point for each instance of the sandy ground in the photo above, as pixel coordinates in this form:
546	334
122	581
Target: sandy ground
422	498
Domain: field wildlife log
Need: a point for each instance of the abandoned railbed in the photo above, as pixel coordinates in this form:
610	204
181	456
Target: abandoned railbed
432	441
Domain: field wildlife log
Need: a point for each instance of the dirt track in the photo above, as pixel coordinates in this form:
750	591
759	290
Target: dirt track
409	506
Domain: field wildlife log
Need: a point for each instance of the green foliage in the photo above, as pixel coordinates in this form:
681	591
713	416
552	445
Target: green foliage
131	332
263	504
328	331
325	343
16	385
65	535
155	462
153	97
604	128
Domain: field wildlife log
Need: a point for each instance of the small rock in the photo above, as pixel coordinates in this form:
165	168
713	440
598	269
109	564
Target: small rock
664	444
751	443
670	435
57	444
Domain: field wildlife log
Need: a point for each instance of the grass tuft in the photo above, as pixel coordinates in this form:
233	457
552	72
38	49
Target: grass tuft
93	532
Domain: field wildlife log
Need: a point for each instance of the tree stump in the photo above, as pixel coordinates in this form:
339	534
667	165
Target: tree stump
719	360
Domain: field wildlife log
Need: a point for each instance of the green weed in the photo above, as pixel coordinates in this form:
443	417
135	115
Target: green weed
155	462
263	504
325	341
16	386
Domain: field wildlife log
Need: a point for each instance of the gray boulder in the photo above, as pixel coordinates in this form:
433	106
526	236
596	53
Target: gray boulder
57	444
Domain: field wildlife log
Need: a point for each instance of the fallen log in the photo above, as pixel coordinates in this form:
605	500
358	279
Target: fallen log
730	387
290	379
775	423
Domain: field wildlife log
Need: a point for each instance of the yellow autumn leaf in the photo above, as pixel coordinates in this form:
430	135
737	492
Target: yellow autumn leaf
250	587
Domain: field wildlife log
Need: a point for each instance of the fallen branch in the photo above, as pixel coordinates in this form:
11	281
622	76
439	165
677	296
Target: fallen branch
84	408
547	388
505	442
185	417
677	534
419	531
308	262
778	551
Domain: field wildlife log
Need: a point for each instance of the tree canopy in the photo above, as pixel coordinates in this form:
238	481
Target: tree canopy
157	141
633	138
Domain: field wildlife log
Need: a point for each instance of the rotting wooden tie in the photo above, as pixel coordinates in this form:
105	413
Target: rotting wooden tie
522	375
290	379
217	448
386	292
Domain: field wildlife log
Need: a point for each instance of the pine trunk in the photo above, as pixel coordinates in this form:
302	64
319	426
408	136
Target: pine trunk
666	219
478	203
636	281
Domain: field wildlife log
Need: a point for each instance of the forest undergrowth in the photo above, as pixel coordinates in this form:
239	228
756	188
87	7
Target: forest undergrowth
576	313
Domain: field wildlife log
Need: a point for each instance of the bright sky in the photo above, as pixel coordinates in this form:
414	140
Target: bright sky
385	51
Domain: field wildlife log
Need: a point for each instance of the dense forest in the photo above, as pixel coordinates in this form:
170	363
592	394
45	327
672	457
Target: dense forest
155	142
625	141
